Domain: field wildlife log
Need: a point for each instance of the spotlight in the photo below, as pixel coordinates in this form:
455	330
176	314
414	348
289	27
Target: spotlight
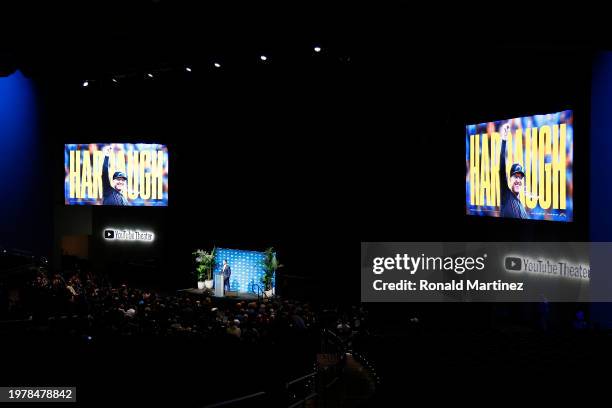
150	75
217	65
317	49
85	84
114	80
188	69
263	58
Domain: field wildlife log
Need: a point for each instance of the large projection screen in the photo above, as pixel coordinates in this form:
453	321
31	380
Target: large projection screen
521	167
118	174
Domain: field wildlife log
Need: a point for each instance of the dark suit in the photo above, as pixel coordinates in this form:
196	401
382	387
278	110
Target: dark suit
111	196
227	272
511	206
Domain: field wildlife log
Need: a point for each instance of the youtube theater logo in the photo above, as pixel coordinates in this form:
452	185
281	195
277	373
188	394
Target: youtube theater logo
544	266
115	234
513	263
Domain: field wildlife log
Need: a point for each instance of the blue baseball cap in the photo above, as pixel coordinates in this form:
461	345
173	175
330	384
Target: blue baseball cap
517	168
119	174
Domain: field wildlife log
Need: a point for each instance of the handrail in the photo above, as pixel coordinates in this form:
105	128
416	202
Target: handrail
16	320
300	379
303	400
219	404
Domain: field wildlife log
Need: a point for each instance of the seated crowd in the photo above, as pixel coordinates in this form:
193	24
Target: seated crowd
90	305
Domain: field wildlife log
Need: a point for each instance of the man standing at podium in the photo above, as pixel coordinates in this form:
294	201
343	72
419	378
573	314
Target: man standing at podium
226	272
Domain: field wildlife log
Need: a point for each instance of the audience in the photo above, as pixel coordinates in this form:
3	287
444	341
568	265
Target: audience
104	309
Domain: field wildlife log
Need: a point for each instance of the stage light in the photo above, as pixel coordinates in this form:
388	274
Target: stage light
188	69
85	84
263	58
114	80
317	49
150	75
217	65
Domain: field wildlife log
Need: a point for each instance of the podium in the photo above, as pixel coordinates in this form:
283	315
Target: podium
219	285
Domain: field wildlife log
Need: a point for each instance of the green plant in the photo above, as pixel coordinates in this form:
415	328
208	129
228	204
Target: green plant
205	264
270	265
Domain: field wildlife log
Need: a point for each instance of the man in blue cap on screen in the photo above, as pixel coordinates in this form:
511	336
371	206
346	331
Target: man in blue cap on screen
511	205
113	192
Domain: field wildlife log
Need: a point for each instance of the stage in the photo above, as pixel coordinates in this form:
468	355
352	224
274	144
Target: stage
229	295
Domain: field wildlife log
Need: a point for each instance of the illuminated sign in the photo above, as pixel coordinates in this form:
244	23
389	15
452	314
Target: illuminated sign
547	267
123	234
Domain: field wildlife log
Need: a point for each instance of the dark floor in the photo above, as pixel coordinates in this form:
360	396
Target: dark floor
172	371
474	367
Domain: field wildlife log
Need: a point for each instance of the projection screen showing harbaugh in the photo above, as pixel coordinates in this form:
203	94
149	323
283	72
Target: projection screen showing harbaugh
120	174
521	168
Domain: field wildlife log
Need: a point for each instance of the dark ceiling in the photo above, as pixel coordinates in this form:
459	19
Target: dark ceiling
85	39
113	36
